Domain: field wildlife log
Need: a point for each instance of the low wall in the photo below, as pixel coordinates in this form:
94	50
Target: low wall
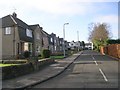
19	70
15	71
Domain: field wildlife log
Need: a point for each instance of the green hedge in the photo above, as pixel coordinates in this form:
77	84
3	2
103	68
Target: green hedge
46	53
26	54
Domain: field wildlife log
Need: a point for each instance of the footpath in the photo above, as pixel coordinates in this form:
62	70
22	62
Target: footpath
40	76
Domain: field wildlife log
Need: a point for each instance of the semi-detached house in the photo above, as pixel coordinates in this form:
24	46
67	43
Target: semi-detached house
17	37
38	37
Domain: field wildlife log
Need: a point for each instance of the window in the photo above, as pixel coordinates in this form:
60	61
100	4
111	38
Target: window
51	40
55	48
55	41
29	33
8	30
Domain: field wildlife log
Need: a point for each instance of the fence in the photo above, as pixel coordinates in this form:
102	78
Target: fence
112	50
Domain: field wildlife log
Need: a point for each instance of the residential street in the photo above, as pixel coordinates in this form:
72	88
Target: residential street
90	70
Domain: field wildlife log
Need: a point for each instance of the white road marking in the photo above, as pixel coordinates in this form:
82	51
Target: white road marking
100	70
103	75
95	61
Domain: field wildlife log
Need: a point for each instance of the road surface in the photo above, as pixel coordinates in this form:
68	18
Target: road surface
89	70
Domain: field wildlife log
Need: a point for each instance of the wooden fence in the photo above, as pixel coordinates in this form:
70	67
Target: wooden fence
112	50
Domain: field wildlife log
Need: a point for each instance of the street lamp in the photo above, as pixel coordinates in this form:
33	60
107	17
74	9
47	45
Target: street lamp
64	37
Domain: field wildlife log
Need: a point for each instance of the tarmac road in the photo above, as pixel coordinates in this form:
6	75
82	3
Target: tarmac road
89	70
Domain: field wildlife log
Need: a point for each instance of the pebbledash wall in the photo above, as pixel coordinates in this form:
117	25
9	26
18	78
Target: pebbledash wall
0	52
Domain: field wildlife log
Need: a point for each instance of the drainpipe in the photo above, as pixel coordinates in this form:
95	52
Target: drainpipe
14	41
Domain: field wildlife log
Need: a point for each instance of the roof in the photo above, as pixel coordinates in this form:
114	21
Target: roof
45	33
10	20
7	21
33	27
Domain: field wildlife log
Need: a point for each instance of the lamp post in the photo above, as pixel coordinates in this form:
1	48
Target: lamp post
64	37
78	39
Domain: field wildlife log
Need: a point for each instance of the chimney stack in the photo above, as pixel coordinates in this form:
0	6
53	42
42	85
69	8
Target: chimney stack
14	15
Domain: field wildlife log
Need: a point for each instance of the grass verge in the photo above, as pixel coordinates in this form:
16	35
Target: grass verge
5	65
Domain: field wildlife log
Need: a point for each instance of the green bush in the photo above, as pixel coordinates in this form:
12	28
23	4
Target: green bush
26	54
46	53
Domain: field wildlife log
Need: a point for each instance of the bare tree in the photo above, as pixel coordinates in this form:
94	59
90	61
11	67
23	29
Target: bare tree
99	33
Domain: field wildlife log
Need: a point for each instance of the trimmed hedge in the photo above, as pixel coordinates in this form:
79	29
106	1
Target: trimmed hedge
46	53
26	54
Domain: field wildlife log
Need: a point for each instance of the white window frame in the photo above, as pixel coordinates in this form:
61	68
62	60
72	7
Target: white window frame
55	48
51	39
29	33
8	31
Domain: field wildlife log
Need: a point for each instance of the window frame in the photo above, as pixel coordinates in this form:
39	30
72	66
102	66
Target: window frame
29	33
8	31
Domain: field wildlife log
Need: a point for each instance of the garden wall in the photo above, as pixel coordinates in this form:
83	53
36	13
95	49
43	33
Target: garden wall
15	71
19	70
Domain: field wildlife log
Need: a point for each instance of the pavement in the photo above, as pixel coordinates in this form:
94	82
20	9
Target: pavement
42	75
91	70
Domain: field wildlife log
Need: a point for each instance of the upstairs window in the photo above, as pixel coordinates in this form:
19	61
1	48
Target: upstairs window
55	41
51	40
8	30
29	33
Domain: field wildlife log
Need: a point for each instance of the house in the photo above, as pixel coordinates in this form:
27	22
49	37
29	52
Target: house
89	46
37	31
61	44
75	45
45	40
17	37
72	45
66	45
58	44
54	43
78	45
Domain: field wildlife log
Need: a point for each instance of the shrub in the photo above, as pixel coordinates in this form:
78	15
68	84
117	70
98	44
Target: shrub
26	54
46	53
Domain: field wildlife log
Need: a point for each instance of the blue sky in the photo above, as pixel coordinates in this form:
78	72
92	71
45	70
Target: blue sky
52	14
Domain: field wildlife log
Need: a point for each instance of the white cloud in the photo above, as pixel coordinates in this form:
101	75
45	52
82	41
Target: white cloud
107	18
